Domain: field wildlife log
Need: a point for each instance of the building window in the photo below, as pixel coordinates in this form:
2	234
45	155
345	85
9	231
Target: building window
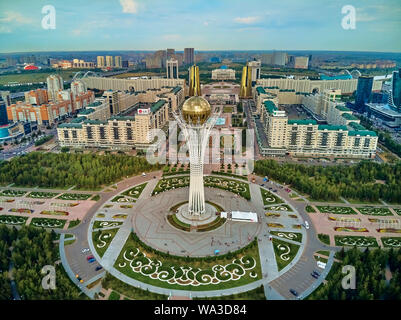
102	133
66	134
367	143
89	132
325	137
129	134
74	134
339	141
308	139
293	138
357	142
116	133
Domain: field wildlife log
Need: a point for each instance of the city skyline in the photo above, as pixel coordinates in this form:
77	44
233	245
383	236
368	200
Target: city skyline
140	25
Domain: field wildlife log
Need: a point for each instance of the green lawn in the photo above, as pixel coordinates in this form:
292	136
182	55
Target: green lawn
375	211
102	239
106	224
189	273
48	223
391	242
12	193
228	109
294	236
136	191
310	209
114	296
42	195
255	294
12	220
269	198
285	252
129	291
74	223
324	252
358	241
336	210
324	238
74	196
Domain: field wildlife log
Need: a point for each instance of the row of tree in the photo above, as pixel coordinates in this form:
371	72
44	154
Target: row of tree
370	275
365	181
86	171
32	249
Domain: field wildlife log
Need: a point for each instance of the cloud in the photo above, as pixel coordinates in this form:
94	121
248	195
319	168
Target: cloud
171	37
4	29
129	6
246	20
15	17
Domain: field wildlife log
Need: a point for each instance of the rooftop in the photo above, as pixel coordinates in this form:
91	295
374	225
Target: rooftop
362	133
260	90
342	108
156	106
270	106
176	89
331	127
71	125
78	120
356	126
85	111
302	122
349	116
94	104
94	122
122	118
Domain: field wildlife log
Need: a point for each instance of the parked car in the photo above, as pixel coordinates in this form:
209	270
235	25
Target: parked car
98	268
306	225
294	292
92	260
314	275
90	257
316	272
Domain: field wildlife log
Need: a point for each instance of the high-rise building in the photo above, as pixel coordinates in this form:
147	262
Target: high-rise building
310	61
6	97
266	58
255	65
3	112
172	69
109	61
54	84
363	92
396	90
118	62
100	61
189	56
125	64
279	58
246	83
301	62
194	82
170	54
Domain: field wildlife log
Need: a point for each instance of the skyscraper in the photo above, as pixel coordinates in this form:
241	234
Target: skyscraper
6	97
118	62
100	61
170	53
109	61
279	58
189	56
396	90
246	83
3	112
172	69
363	92
54	84
255	65
194	82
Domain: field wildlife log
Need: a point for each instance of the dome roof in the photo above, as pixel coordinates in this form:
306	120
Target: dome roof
196	110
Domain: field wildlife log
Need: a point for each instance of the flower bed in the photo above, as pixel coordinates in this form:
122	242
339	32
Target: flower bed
126	206
106	224
351	229
176	223
272	214
55	213
391	242
22	210
102	239
275	225
269	198
136	191
119	216
389	230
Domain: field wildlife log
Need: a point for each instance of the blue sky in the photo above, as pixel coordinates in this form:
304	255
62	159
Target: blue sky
202	24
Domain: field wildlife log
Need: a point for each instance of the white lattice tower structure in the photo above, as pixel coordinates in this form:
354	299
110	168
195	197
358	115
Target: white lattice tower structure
197	137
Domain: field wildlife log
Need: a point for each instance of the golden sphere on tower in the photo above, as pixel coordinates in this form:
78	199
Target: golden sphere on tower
196	110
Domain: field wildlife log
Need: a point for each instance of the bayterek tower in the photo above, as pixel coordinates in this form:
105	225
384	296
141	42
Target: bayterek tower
196	120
